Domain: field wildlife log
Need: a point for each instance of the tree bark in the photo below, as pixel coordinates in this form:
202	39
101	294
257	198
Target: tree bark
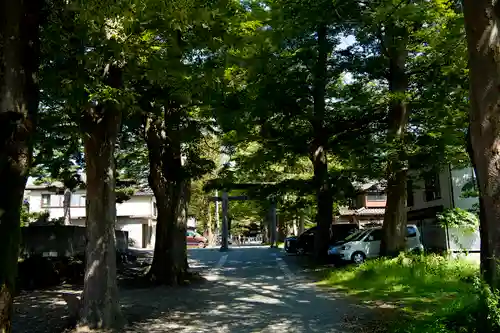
319	146
67	206
169	266
100	126
301	224
395	219
210	225
19	97
482	18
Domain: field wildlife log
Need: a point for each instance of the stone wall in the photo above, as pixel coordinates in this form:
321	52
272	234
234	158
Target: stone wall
60	241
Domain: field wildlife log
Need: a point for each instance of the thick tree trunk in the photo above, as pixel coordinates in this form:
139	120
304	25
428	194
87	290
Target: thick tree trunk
318	149
265	229
169	265
282	228
67	206
482	19
210	226
19	61
395	219
324	199
301	224
101	125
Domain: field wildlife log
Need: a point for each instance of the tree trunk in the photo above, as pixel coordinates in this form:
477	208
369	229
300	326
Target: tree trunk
301	224
265	229
19	61
395	219
210	225
169	266
67	206
101	125
318	149
482	18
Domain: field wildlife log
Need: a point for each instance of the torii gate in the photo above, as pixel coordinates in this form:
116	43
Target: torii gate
225	198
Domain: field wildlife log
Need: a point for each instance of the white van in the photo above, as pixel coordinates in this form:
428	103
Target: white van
366	244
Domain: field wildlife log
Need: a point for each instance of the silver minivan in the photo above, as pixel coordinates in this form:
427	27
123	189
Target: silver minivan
366	244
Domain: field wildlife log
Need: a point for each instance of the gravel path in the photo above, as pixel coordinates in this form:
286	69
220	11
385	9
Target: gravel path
251	289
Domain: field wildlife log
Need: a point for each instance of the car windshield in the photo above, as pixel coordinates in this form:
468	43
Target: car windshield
358	235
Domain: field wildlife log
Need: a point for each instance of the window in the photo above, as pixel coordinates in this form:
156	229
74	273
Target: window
376	197
190	233
83	200
75	200
45	200
375	235
411	232
155	209
410	200
432	187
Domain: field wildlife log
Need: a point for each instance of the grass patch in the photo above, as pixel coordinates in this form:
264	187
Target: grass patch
424	289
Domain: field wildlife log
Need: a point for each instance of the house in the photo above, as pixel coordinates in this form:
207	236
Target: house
136	215
368	207
433	193
427	196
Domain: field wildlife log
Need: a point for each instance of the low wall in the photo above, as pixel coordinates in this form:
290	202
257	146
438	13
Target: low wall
60	241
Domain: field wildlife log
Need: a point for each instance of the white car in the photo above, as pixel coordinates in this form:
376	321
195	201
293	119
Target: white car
366	244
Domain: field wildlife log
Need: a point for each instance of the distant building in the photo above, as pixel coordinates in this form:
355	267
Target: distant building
368	207
427	196
432	194
136	215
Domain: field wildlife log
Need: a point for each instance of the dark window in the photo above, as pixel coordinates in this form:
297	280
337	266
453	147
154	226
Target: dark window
432	187
376	197
375	235
155	209
411	232
45	200
410	200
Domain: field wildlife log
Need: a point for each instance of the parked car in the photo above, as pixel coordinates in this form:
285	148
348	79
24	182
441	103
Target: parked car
366	244
195	239
304	243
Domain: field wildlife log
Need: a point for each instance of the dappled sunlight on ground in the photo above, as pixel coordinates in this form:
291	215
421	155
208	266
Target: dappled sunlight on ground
247	290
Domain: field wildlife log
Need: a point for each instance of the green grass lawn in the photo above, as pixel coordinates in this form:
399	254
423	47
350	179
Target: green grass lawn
420	290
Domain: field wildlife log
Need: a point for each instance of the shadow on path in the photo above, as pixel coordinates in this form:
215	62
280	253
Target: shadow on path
251	292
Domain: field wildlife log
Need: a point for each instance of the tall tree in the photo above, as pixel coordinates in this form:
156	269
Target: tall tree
19	97
88	55
481	22
397	42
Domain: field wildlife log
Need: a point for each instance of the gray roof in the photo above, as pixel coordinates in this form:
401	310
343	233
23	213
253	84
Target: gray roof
363	211
370	211
371	185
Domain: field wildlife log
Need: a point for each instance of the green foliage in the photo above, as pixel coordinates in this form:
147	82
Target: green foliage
424	291
27	218
459	218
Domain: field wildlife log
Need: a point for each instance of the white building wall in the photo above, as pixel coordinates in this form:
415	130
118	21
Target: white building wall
135	215
139	205
451	184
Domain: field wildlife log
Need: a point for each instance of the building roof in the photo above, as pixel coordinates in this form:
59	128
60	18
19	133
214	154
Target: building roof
370	211
363	211
371	185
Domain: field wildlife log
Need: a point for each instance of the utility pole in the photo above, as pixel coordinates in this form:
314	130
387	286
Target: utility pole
225	222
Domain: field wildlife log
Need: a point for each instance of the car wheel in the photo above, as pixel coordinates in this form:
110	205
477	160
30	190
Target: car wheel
201	245
300	251
358	258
